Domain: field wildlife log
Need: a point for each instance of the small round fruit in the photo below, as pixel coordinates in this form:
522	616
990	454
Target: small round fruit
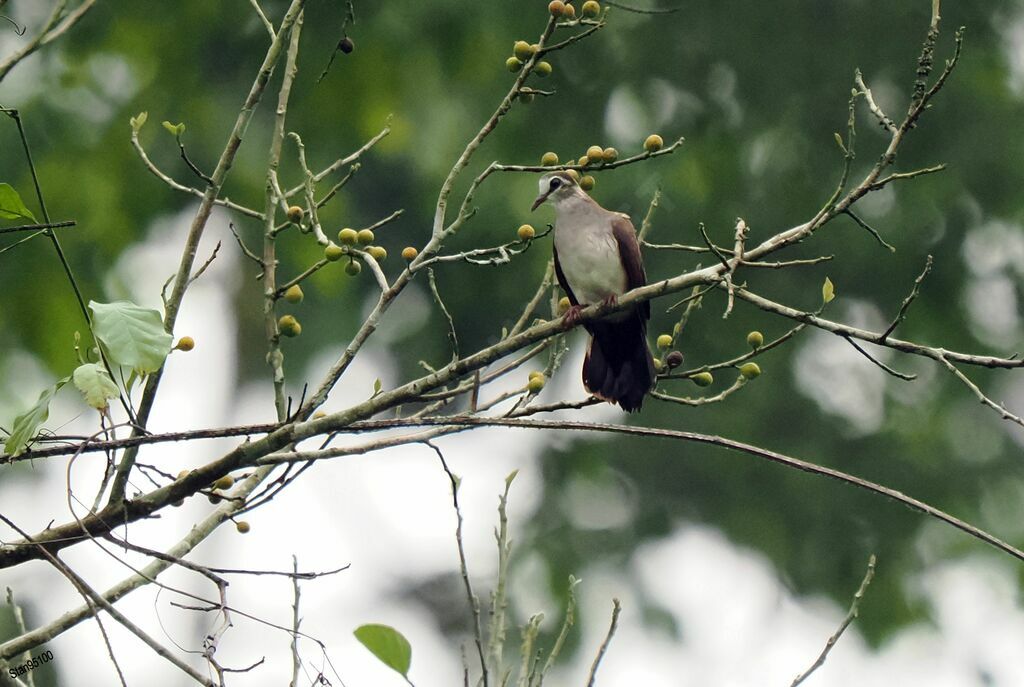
703	379
535	384
654	143
591	8
295	214
225	482
333	252
587	183
544	68
664	341
183	474
570	12
377	253
185	343
609	155
409	253
243	527
513	64
574	174
583	161
353	268
750	370
365	237
213	499
549	159
674	359
755	339
595	153
659	366
535	48
319	414
289	326
536	373
522	50
346	45
526	232
293	294
556	8
348	237
563	305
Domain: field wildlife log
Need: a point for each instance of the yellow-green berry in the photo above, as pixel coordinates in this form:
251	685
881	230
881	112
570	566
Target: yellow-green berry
556	8
513	64
536	373
526	232
591	8
242	527
365	237
664	341
703	379
293	294
333	252
587	183
750	370
348	237
183	474
659	366
595	153
543	68
522	50
583	161
609	154
377	253
409	253
549	159
574	174
295	214
535	384
353	268
755	339
225	482
569	12
185	344
653	143
289	326
563	305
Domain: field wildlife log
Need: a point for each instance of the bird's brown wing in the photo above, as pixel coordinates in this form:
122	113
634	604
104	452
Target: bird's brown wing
632	262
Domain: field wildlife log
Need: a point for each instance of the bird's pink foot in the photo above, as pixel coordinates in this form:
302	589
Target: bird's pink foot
610	300
572	315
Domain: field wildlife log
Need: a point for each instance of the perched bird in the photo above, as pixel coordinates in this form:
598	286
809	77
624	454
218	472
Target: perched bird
597	259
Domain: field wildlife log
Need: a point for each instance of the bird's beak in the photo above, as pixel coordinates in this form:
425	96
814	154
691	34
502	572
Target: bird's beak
540	200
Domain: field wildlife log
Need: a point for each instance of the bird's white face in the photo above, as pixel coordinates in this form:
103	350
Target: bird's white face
555	187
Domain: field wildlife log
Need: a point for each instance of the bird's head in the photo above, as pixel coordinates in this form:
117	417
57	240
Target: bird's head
556	187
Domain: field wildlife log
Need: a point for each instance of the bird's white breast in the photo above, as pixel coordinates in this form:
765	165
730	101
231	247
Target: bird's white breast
587	252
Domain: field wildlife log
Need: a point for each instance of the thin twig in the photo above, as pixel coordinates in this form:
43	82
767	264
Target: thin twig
850	617
616	609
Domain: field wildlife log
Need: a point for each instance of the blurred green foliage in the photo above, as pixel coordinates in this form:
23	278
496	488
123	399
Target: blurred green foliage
757	89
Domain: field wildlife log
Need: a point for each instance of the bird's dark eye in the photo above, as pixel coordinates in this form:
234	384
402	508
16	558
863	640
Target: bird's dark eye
555	183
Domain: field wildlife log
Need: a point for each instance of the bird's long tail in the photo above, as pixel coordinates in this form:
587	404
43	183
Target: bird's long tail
618	367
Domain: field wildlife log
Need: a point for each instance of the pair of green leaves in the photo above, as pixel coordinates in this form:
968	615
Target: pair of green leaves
130	336
11	205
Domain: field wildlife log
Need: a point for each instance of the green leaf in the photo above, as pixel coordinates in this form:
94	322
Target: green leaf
388	645
138	121
11	205
377	386
95	384
132	336
27	424
828	291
